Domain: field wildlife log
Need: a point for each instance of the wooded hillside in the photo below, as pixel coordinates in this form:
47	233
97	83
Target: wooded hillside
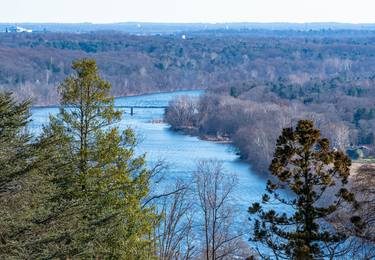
33	64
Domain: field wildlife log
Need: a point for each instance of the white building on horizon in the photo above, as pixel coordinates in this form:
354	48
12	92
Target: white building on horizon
17	29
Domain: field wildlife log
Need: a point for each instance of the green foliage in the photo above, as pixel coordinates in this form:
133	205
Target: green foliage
304	165
23	181
47	219
16	161
77	191
14	140
233	92
109	181
87	107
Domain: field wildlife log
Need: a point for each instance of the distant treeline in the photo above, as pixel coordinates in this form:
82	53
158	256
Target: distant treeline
31	65
171	28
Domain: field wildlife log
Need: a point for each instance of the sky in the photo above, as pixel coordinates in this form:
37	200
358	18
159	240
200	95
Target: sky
187	11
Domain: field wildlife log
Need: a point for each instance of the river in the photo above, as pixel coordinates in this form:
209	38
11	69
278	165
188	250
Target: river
181	152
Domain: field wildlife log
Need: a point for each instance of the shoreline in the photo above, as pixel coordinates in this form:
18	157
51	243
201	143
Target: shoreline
192	131
131	95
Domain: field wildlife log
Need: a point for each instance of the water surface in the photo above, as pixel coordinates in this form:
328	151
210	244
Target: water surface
181	152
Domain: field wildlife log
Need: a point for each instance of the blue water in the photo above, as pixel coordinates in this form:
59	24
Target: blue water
181	152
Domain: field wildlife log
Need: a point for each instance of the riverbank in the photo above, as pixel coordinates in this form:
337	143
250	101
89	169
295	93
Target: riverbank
193	131
134	94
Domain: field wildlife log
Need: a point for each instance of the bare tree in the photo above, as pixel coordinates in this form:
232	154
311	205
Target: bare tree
362	241
364	186
204	210
338	133
214	187
181	112
175	233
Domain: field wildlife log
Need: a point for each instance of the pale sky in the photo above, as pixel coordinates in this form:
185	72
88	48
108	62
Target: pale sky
212	11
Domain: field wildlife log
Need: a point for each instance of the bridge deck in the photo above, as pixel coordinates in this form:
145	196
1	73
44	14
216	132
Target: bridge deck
140	106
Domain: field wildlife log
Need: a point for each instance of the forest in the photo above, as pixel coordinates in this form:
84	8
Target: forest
33	64
297	106
80	191
251	115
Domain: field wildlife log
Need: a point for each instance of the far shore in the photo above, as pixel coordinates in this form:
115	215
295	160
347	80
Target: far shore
132	95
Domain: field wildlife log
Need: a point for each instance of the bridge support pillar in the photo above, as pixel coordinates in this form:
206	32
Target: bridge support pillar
131	111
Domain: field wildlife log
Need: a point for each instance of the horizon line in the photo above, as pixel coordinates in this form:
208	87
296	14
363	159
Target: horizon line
210	23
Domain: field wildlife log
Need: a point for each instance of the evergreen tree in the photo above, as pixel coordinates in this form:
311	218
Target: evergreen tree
108	181
87	107
20	160
84	188
57	210
15	147
304	165
16	161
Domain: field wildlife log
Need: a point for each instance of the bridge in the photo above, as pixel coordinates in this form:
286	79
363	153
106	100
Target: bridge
118	107
143	107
